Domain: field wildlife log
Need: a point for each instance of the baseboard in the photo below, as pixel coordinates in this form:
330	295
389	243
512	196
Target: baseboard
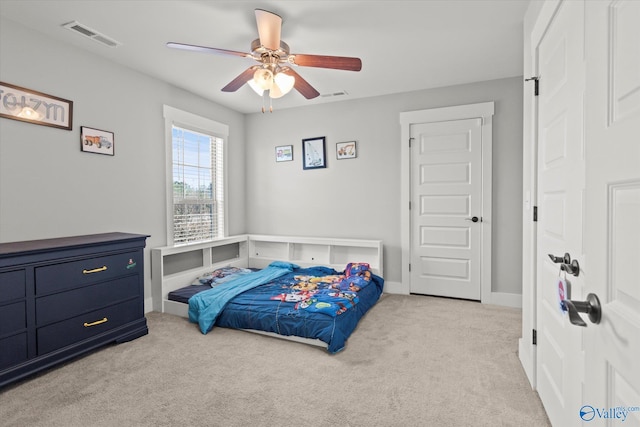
395	288
527	359
506	299
497	298
148	305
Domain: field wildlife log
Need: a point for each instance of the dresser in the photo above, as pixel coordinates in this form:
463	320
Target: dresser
60	298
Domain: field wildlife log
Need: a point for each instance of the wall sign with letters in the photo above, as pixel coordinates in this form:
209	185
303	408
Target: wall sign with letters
27	105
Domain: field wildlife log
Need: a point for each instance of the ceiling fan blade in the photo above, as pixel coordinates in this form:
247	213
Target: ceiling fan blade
321	61
239	81
269	26
301	85
205	49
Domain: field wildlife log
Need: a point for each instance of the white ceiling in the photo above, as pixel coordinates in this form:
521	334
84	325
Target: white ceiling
404	45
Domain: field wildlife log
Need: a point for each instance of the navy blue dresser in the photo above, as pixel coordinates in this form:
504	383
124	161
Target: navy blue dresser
63	297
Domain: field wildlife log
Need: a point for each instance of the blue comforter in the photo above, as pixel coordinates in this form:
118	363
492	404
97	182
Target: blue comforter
316	303
205	307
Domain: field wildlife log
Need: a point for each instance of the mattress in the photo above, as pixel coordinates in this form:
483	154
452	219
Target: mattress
183	294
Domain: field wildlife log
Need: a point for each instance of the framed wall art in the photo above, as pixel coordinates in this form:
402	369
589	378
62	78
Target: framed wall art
96	141
26	105
313	153
284	153
346	150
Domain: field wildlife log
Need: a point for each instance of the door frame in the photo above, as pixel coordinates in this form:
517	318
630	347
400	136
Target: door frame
483	111
537	19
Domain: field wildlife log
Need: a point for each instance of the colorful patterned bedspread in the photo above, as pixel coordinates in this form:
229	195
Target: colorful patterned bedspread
316	302
332	294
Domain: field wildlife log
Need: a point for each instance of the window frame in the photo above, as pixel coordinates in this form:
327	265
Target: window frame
183	119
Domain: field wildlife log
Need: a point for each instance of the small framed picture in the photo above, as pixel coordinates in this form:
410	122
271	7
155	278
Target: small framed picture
346	150
284	153
313	153
96	141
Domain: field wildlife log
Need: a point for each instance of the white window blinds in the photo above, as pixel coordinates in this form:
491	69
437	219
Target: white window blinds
196	178
198	198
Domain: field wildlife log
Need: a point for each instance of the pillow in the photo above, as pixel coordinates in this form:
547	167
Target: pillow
357	269
284	264
220	275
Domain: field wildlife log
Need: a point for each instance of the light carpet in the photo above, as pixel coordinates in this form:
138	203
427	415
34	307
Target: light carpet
412	361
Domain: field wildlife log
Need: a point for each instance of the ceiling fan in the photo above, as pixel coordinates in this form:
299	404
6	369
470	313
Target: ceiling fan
274	73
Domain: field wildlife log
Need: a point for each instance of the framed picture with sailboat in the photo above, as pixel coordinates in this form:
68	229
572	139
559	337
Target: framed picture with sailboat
313	153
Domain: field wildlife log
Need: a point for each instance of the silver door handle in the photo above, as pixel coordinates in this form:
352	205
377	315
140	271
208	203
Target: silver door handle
573	268
591	306
567	264
566	259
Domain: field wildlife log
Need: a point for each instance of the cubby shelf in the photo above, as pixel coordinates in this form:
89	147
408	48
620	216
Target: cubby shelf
173	267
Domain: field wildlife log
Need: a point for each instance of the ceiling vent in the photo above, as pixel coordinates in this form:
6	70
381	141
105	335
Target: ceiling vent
341	93
94	35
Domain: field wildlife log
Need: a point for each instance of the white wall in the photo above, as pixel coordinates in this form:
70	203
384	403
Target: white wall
360	198
49	188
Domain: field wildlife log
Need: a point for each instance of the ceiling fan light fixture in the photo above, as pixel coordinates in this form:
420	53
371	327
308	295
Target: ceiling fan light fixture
284	82
263	77
257	89
275	92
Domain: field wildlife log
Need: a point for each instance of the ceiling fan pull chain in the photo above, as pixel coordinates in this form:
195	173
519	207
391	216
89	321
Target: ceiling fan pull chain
270	105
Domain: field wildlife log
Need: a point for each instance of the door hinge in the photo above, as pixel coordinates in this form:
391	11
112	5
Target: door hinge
535	214
534	337
410	139
536	83
409	267
409	204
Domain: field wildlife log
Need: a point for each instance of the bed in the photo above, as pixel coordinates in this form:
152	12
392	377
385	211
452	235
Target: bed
312	290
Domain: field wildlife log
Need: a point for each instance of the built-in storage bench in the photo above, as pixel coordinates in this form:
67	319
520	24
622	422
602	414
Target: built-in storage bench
173	267
62	297
309	251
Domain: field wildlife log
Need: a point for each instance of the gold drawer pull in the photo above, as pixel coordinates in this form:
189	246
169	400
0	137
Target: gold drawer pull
97	322
95	270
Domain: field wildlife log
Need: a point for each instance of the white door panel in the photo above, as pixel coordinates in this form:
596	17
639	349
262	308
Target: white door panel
446	192
612	368
588	61
560	217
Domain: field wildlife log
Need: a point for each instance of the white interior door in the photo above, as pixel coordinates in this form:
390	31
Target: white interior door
612	348
561	184
446	208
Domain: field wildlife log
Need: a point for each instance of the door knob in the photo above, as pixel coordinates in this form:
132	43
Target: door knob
569	266
573	268
473	219
591	306
566	259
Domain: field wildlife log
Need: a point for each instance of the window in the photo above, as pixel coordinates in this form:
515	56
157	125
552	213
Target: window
196	178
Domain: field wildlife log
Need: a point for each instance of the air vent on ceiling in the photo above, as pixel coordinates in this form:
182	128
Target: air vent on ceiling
341	93
91	33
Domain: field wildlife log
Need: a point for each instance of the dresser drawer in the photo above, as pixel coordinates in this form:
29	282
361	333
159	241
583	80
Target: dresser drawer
64	305
12	285
13	318
86	326
53	278
13	350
